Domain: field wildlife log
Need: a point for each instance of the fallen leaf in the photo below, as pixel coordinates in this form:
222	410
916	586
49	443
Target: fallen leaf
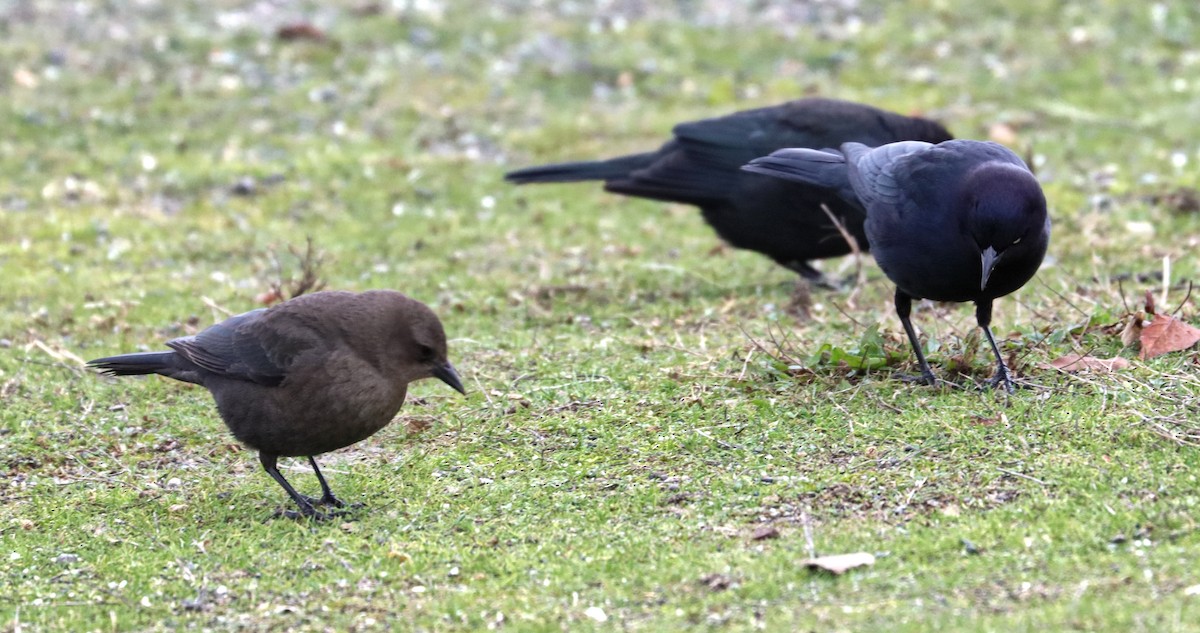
300	31
1002	133
1166	334
764	532
840	563
1132	330
716	582
1075	362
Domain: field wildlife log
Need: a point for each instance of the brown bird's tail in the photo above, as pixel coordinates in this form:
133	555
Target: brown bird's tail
135	364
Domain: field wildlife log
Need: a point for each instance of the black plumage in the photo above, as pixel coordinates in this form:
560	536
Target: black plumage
701	165
956	221
308	376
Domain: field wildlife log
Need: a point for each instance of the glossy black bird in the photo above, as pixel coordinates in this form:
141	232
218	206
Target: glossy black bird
701	166
308	376
956	221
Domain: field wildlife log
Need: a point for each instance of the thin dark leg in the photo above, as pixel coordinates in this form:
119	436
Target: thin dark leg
983	315
306	507
327	498
814	276
903	310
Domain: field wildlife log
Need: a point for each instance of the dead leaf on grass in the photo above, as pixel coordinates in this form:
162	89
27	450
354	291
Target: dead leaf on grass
1166	334
764	532
840	563
1132	330
300	31
1076	362
1002	133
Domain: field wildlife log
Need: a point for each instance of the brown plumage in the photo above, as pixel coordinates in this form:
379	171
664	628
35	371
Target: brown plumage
308	376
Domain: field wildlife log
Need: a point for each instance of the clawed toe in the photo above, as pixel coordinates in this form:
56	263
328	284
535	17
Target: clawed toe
330	501
313	515
920	379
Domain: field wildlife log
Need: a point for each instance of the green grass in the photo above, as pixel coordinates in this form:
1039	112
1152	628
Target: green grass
641	402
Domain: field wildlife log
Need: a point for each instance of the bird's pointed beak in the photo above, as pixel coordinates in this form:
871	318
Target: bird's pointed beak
989	257
447	374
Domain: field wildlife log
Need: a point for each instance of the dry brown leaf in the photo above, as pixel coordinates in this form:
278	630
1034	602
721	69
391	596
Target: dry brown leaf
300	31
1132	330
764	532
1002	133
1166	334
840	563
1075	362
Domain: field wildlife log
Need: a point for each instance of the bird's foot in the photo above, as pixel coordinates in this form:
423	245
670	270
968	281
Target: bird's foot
922	378
311	514
1002	376
331	501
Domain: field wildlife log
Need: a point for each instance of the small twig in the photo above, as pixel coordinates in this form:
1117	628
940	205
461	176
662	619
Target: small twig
1022	476
806	524
720	442
1185	299
745	365
216	308
855	251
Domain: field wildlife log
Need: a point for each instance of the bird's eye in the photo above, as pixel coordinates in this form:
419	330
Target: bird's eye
1016	241
425	354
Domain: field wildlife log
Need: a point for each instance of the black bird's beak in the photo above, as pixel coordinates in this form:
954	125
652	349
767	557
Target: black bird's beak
448	375
989	257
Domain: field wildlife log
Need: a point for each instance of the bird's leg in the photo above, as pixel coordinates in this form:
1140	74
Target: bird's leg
327	498
983	316
903	310
812	275
305	505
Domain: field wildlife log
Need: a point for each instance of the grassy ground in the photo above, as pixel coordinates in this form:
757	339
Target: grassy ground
644	405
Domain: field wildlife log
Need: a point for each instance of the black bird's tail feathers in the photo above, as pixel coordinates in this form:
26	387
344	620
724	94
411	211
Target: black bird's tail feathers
135	364
585	170
823	168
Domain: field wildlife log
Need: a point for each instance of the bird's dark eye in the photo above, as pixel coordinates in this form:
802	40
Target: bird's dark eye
1016	241
425	354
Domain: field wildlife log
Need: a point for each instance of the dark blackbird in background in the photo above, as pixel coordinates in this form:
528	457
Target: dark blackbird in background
701	166
957	221
308	376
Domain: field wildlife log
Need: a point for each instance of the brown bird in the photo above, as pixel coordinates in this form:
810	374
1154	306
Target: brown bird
308	376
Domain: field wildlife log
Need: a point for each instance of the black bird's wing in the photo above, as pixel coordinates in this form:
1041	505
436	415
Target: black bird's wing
873	172
257	346
701	164
825	169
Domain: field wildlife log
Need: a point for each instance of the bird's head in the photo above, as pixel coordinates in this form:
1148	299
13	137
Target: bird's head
428	345
1007	218
414	342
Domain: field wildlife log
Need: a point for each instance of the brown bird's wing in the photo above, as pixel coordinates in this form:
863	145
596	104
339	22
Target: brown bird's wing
258	346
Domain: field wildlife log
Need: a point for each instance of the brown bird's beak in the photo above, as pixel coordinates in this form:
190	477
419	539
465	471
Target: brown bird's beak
448	375
989	257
